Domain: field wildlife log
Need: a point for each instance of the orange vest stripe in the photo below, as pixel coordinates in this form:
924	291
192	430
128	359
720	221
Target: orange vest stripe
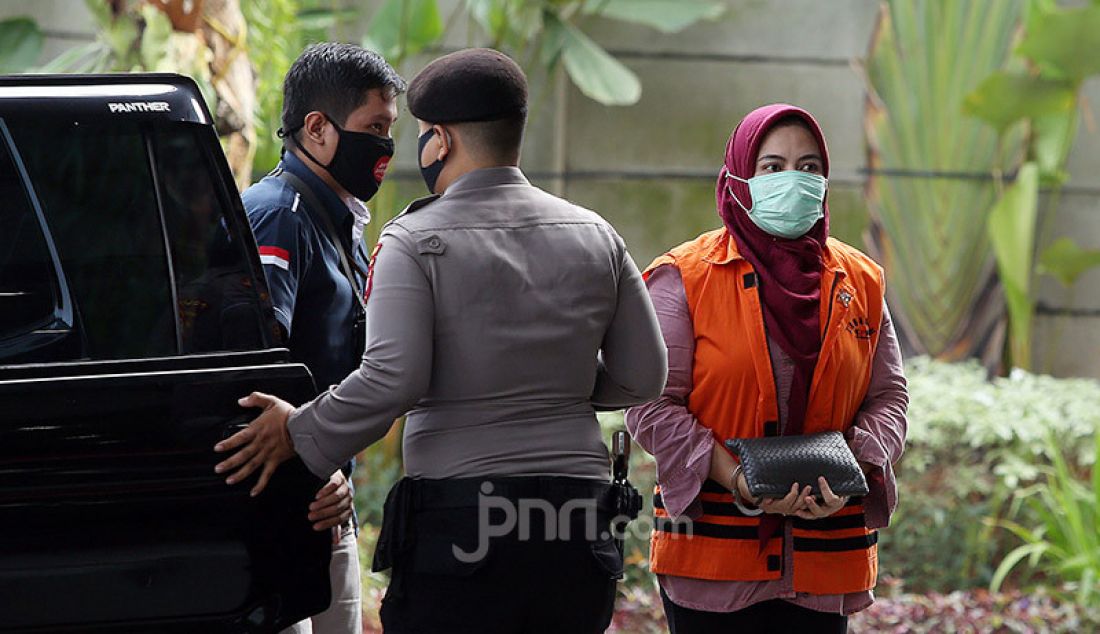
734	395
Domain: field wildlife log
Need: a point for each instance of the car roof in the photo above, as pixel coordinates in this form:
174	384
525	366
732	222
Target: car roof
109	98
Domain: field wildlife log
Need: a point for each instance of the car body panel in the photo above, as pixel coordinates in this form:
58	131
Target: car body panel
111	516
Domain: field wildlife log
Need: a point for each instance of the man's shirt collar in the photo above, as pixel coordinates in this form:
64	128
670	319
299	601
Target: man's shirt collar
334	205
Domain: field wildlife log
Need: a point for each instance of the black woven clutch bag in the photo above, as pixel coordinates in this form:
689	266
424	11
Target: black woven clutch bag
771	465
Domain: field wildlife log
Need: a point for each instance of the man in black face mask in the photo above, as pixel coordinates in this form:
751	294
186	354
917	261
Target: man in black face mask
339	103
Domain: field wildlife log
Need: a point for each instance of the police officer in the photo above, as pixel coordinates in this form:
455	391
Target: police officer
339	103
500	319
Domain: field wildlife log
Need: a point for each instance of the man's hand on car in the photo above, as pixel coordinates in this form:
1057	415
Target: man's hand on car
265	443
332	505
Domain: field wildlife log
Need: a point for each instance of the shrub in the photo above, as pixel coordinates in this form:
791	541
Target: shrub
1065	544
972	443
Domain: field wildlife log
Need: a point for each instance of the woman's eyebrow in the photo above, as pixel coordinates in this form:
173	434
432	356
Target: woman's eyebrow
809	156
768	157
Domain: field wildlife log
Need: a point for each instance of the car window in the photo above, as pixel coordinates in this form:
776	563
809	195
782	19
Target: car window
219	307
140	230
95	187
28	296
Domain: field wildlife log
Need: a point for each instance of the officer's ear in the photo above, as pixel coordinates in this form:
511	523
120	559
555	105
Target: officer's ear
446	142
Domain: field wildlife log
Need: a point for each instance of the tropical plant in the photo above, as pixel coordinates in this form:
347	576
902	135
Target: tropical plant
972	443
1065	546
278	30
1011	230
539	32
1041	90
20	44
203	39
929	190
546	37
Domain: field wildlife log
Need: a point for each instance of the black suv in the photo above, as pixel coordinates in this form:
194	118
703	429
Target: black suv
133	315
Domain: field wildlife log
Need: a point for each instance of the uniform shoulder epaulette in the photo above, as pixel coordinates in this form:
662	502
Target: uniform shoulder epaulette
420	203
414	206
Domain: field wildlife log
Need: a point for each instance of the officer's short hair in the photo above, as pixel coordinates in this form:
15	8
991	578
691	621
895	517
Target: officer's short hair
499	140
333	78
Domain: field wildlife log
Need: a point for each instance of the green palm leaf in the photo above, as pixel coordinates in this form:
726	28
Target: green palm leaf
928	216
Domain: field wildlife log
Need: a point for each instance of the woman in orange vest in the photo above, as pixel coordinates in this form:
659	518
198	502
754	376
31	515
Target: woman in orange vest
772	328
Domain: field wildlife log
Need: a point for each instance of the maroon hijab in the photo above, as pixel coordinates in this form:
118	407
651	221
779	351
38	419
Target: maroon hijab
789	271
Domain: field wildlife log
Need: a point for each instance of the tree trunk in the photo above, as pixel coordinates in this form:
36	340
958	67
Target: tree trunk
220	35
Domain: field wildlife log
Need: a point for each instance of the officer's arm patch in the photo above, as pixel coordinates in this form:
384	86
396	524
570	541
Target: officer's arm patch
370	272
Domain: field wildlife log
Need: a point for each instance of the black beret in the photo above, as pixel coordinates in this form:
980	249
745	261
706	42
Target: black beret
475	84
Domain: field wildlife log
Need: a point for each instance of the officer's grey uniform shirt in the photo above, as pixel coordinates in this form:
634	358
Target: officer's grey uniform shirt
488	310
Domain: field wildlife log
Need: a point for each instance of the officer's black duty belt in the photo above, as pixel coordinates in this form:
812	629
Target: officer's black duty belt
410	495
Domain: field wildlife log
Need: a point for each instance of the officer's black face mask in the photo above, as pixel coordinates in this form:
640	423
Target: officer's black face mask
360	161
432	171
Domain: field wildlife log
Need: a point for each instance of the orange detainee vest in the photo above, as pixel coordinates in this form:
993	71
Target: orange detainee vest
734	395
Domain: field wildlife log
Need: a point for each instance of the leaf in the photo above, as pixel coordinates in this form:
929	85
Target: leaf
524	24
1066	261
1053	136
1010	561
1006	97
1096	474
155	36
553	41
1011	229
1088	586
320	19
121	34
20	44
403	27
101	12
667	16
492	15
930	232
596	73
1064	41
79	59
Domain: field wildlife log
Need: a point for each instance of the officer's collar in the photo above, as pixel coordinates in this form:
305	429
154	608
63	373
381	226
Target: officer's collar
334	205
487	177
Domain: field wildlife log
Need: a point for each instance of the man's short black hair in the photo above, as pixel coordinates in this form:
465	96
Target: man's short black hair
498	141
333	78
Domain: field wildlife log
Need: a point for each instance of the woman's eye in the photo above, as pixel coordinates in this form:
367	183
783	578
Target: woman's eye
809	167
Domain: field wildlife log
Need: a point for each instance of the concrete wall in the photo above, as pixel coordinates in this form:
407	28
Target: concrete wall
650	168
67	23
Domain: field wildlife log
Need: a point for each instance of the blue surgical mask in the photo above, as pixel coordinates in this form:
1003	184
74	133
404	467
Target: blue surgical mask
785	204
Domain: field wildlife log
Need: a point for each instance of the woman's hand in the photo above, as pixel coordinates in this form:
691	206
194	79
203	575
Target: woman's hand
832	503
743	490
794	503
